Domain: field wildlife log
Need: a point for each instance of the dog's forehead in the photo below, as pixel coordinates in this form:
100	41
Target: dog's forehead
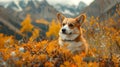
69	20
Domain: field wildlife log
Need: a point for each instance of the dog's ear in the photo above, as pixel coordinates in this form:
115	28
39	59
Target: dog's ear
80	19
60	17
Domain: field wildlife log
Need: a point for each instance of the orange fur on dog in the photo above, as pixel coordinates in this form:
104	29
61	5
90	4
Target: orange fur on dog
71	33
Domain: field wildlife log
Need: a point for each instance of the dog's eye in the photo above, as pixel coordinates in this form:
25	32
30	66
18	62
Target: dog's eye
63	24
70	25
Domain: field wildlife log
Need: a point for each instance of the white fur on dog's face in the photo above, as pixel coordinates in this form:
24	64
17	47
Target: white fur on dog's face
74	34
71	32
70	26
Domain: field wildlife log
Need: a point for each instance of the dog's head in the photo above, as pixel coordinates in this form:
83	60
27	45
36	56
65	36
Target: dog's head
70	26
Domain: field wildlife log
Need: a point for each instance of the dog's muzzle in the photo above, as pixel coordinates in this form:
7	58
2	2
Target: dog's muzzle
64	31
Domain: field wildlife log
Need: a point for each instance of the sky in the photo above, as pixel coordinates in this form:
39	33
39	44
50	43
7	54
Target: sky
53	2
71	2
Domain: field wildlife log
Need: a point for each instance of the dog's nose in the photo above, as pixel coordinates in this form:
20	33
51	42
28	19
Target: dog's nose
63	30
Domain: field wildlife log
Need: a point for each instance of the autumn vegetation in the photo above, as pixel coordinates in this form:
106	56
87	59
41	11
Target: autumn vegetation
103	38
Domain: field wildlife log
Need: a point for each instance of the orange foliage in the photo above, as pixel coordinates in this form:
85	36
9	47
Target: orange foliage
6	41
54	28
26	24
103	39
42	21
35	34
28	27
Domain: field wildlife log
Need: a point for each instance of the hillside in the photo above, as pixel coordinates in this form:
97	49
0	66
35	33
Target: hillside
38	9
99	7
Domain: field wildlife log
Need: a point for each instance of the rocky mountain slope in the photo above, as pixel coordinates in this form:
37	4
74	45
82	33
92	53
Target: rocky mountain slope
42	9
37	9
70	10
9	23
99	7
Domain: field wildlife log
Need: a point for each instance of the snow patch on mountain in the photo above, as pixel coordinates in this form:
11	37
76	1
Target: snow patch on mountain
68	12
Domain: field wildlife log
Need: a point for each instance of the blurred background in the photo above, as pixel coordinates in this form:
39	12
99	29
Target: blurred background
14	12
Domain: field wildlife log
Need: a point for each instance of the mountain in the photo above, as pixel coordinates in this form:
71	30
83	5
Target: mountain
40	10
43	9
99	7
37	9
70	10
9	22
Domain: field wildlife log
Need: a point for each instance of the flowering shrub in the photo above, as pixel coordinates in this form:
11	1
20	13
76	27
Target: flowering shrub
103	39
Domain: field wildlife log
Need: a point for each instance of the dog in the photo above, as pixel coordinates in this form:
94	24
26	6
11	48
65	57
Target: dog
71	33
